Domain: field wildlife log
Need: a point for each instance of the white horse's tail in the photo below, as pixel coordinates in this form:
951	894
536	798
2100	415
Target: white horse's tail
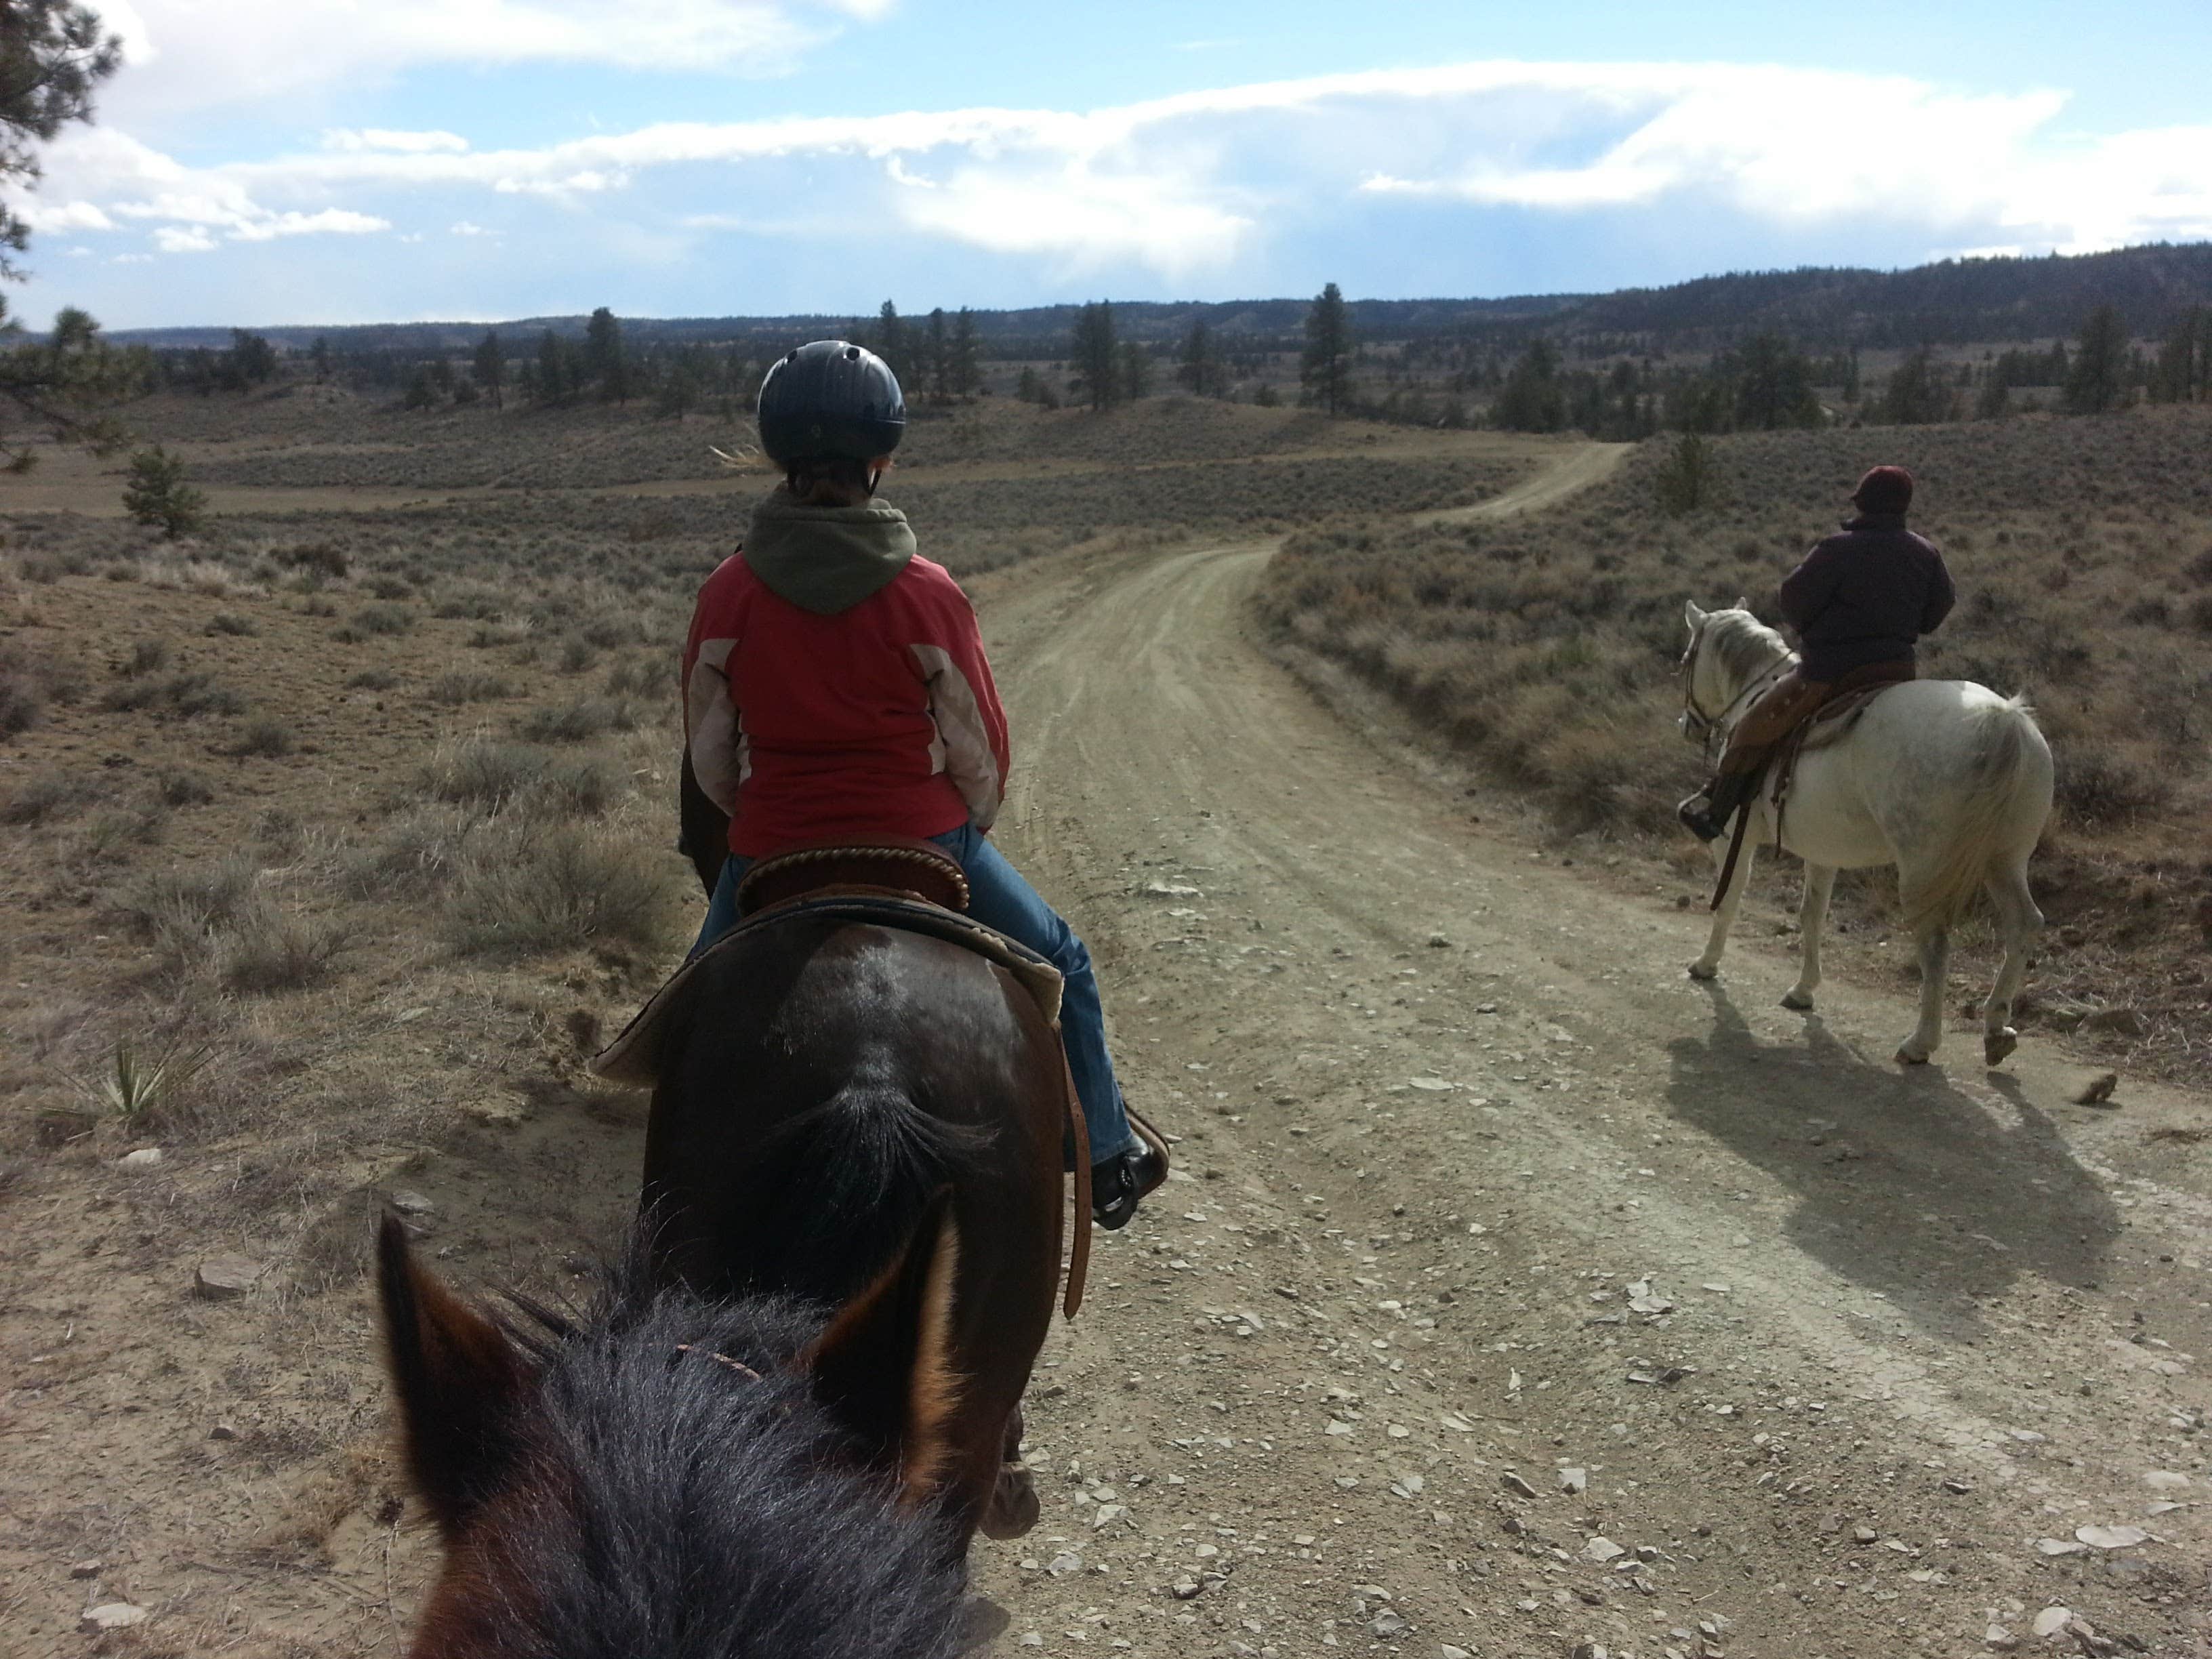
1998	789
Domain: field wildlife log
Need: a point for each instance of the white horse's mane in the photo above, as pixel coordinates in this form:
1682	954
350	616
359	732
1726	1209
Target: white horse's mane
1746	645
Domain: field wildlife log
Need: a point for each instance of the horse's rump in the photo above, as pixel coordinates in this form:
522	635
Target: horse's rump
1998	801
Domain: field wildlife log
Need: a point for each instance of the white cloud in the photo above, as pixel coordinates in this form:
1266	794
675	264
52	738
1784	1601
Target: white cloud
464	227
51	217
1195	183
189	207
330	222
588	181
406	143
182	55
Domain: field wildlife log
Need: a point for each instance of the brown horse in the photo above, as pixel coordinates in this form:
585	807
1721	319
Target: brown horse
674	1477
817	1084
820	1083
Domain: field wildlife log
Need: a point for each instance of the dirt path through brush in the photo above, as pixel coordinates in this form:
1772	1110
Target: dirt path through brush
1516	1293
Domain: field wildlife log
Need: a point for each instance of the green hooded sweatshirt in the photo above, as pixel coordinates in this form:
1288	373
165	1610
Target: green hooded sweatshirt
826	559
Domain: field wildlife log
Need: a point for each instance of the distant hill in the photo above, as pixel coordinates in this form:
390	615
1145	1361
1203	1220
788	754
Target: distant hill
1953	303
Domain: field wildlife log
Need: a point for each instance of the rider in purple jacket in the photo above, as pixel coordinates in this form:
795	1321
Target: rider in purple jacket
1859	603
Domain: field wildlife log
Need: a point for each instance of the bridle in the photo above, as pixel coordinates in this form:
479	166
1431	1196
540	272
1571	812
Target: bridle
1702	728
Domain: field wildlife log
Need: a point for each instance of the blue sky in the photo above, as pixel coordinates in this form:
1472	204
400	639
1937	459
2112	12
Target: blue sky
266	162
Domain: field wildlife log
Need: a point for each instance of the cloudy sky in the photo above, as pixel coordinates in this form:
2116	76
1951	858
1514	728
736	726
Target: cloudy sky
266	161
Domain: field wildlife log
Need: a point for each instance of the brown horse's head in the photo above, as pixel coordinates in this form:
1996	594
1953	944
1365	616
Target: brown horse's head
667	1476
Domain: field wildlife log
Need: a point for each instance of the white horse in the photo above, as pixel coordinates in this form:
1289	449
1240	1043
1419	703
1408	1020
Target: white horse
1944	779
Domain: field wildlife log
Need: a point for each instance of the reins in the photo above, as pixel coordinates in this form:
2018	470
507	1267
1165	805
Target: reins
1705	727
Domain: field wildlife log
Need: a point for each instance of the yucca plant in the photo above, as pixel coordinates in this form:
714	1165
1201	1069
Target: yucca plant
135	1084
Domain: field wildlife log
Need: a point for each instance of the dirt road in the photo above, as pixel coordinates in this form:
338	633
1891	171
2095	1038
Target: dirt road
1516	1293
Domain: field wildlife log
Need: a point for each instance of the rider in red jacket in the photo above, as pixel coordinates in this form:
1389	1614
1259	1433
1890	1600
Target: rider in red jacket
834	687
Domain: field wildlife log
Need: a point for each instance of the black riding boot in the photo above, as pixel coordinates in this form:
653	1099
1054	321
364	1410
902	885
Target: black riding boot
1117	1183
1706	814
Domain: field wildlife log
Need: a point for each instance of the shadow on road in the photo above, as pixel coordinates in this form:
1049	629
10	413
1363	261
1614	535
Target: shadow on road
1905	1183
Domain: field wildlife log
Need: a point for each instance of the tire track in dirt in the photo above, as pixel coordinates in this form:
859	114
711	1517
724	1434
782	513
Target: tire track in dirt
1420	1179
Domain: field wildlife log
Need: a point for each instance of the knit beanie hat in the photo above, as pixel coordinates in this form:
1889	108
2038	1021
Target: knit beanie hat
1884	489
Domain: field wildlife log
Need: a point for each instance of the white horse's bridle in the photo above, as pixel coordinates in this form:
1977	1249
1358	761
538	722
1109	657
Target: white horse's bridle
1702	728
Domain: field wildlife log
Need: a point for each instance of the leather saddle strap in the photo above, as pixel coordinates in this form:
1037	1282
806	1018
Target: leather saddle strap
1078	1249
1735	843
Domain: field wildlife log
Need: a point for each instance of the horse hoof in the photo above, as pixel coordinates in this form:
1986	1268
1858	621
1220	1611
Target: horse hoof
1998	1045
1014	1509
1796	1001
1700	970
1907	1056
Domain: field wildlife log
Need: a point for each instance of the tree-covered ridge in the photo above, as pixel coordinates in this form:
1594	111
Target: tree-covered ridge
1953	301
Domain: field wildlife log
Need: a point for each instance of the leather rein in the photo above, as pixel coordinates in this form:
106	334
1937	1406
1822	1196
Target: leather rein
1701	728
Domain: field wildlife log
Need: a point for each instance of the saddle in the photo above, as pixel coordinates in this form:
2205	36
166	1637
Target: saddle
1829	723
893	866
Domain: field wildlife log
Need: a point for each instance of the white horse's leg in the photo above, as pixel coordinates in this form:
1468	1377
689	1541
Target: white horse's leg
2018	923
1708	966
1812	916
1934	966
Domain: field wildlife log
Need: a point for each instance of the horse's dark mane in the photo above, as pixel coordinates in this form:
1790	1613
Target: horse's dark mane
844	1184
680	1509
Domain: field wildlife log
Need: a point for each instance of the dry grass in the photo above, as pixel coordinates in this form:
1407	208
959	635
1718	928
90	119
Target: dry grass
187	695
49	798
461	686
492	776
532	889
30	680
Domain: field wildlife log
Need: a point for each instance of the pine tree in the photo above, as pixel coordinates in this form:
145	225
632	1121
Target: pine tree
940	352
1136	372
252	356
553	386
491	367
1199	370
158	494
1094	356
604	357
891	343
2182	359
1916	395
966	370
52	55
2096	381
1774	386
1531	399
1689	478
1325	370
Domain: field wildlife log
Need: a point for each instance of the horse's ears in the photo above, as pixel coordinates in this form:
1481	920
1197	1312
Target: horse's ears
457	1378
1691	613
885	1367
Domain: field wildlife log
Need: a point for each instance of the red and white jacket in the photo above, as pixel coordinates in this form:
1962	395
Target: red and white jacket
879	719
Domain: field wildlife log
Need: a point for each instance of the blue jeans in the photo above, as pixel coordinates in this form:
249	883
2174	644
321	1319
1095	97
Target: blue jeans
998	896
